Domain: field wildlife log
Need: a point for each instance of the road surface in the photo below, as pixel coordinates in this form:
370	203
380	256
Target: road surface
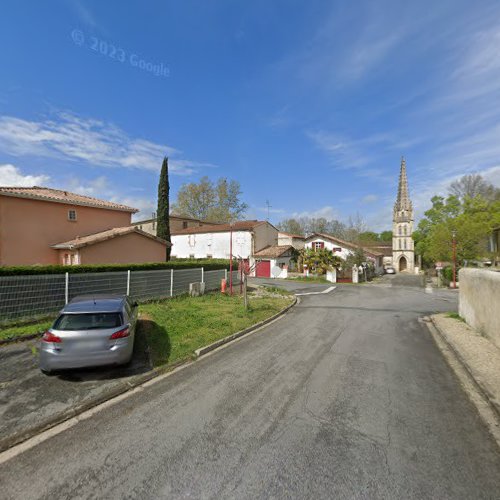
344	397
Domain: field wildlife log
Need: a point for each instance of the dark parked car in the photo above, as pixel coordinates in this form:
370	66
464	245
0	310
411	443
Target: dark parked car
90	331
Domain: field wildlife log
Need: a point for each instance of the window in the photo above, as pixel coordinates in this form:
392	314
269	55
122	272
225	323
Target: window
336	249
72	215
399	230
404	230
404	244
88	321
318	245
184	225
191	255
209	256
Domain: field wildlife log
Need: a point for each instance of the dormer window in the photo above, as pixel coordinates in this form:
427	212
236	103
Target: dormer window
72	215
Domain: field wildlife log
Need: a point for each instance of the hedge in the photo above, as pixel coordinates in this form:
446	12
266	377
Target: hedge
207	264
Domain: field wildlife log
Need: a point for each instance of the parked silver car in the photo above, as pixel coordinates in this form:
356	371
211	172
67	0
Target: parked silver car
90	331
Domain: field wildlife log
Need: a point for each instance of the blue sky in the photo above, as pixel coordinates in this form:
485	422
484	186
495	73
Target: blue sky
309	105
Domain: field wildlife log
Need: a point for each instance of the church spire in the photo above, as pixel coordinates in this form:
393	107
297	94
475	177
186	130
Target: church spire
403	201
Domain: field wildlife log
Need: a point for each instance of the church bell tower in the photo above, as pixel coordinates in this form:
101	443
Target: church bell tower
403	253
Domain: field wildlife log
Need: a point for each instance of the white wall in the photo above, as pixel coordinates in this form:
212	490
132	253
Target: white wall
215	244
479	301
343	254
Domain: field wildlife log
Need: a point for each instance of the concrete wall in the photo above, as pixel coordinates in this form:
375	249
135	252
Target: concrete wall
215	244
28	228
479	301
128	249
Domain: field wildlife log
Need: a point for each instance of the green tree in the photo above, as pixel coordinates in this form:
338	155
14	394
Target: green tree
320	260
206	200
385	236
368	237
471	220
163	212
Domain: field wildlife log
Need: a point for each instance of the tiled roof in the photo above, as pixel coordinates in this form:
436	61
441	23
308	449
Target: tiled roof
343	243
273	251
175	216
245	225
291	235
60	196
92	239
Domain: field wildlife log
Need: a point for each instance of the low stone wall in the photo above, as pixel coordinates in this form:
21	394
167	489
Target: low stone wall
479	301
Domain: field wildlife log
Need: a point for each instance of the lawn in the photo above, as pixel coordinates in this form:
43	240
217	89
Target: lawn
310	279
176	327
28	329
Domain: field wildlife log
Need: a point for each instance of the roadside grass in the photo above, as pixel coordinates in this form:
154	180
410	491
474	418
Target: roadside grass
10	332
309	279
175	328
276	290
455	315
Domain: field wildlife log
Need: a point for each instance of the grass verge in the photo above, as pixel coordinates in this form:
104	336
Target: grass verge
23	330
309	279
176	327
455	315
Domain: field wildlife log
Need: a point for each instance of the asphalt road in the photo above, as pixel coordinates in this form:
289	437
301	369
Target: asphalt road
344	397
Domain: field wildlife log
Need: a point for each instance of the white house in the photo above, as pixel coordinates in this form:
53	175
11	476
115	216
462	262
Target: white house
248	239
343	248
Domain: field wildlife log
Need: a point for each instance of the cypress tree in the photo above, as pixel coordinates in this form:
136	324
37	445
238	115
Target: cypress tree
162	214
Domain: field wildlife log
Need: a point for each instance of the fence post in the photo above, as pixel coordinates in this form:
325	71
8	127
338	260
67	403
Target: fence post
225	274
66	289
128	282
202	275
171	282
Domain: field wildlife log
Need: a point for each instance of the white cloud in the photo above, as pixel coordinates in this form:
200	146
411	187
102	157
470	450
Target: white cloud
328	212
70	137
11	176
369	198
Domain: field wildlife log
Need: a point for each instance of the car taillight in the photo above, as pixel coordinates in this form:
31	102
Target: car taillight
120	334
50	337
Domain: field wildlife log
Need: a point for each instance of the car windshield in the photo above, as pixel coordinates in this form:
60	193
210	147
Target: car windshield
88	321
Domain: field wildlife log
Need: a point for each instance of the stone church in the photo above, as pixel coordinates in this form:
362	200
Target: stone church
403	254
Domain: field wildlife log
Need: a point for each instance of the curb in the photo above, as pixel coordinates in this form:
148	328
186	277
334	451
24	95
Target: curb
138	380
206	349
485	393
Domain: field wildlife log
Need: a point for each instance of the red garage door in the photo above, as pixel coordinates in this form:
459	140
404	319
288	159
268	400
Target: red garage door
263	269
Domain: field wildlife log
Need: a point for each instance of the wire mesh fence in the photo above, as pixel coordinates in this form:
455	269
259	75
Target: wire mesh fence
32	296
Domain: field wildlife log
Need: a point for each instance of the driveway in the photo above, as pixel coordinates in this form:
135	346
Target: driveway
345	397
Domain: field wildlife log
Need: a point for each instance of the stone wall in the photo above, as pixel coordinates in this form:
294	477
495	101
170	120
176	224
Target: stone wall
479	301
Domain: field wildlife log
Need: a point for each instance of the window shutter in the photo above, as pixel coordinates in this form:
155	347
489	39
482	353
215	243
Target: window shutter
322	245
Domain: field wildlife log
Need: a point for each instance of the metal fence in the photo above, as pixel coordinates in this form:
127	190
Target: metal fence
31	296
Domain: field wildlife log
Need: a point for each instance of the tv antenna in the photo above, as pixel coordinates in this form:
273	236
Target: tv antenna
268	207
